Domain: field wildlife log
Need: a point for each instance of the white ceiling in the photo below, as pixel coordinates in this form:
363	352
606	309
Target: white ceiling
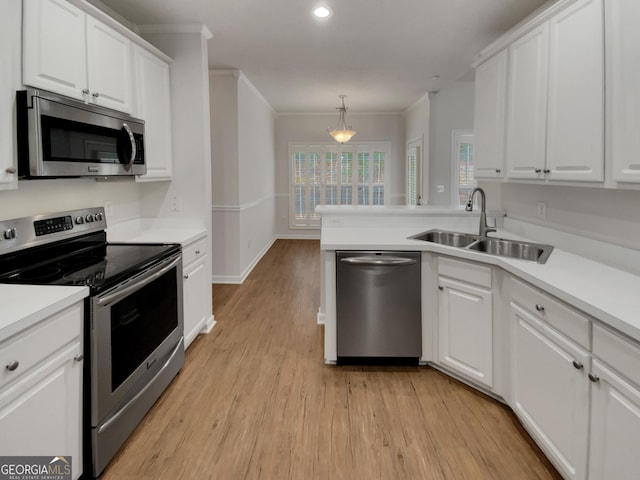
383	54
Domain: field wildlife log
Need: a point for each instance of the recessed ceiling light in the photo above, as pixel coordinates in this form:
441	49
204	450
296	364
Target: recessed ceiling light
322	12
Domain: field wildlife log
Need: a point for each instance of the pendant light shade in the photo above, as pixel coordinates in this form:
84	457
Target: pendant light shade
341	133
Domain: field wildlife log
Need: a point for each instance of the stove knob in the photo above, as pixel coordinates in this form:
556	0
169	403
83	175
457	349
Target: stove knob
10	233
79	220
99	217
89	218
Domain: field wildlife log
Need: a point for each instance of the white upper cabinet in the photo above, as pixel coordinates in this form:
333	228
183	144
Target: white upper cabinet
10	81
623	40
69	52
153	104
575	139
54	47
554	97
109	71
489	116
526	119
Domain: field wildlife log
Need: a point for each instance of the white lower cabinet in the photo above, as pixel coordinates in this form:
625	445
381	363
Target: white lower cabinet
550	390
465	321
41	389
196	310
615	407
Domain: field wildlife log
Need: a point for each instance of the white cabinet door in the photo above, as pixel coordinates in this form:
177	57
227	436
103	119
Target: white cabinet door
527	104
109	67
42	415
153	105
623	50
550	391
489	116
615	427
10	81
54	53
575	140
465	330
195	310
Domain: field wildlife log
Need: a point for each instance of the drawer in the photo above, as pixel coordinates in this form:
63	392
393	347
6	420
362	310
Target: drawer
618	352
572	323
466	271
36	344
193	251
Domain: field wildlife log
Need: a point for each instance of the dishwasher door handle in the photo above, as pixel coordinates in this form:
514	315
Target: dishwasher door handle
379	261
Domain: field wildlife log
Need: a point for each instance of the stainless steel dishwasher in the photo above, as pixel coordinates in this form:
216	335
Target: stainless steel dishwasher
378	306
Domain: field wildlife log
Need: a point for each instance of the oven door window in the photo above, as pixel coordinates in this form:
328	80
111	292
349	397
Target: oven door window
140	323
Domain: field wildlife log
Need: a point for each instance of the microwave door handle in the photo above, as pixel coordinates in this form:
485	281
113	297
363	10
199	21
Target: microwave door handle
121	293
133	143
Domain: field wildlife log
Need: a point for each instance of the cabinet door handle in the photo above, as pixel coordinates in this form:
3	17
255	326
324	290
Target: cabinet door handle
186	277
95	94
578	365
12	365
440	287
539	307
546	170
197	252
85	91
537	170
593	378
498	170
79	357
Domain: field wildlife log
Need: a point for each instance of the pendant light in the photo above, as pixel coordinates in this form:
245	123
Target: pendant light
342	133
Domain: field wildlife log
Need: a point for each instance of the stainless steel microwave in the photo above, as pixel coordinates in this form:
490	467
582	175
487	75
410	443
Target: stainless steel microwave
61	137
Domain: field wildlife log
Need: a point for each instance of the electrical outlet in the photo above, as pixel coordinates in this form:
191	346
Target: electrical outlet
440	188
542	210
174	204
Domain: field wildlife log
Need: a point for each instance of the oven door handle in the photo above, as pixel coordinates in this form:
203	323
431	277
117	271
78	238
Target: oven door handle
121	293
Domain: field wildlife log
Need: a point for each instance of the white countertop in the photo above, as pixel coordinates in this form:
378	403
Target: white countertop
26	305
606	293
144	231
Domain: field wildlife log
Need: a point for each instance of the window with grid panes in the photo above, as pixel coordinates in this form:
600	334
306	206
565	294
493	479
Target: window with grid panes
331	174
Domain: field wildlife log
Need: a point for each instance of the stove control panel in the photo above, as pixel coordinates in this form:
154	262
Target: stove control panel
20	233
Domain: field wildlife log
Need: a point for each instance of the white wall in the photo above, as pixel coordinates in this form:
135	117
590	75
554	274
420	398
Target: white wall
313	128
243	175
451	109
602	214
417	132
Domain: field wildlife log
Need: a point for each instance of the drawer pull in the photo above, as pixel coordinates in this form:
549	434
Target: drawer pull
197	252
578	365
538	170
13	365
498	170
539	307
593	378
440	287
186	277
79	357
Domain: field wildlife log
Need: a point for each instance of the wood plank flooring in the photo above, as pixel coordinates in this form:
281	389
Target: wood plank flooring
256	401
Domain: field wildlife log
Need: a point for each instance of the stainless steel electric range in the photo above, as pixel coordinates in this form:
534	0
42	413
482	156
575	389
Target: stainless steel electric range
133	334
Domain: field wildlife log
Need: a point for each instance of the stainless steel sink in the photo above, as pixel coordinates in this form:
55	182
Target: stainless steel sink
452	239
534	252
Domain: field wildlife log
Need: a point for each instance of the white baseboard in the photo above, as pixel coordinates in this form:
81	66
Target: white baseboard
298	236
208	325
239	279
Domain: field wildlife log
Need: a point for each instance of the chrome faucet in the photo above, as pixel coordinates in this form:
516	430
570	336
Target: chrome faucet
484	228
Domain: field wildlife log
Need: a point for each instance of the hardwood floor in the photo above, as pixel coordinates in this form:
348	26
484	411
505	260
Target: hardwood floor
256	401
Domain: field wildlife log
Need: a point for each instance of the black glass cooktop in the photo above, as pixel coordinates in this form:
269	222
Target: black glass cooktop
87	260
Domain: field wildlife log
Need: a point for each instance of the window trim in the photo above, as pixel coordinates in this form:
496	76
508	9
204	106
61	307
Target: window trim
325	147
456	137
